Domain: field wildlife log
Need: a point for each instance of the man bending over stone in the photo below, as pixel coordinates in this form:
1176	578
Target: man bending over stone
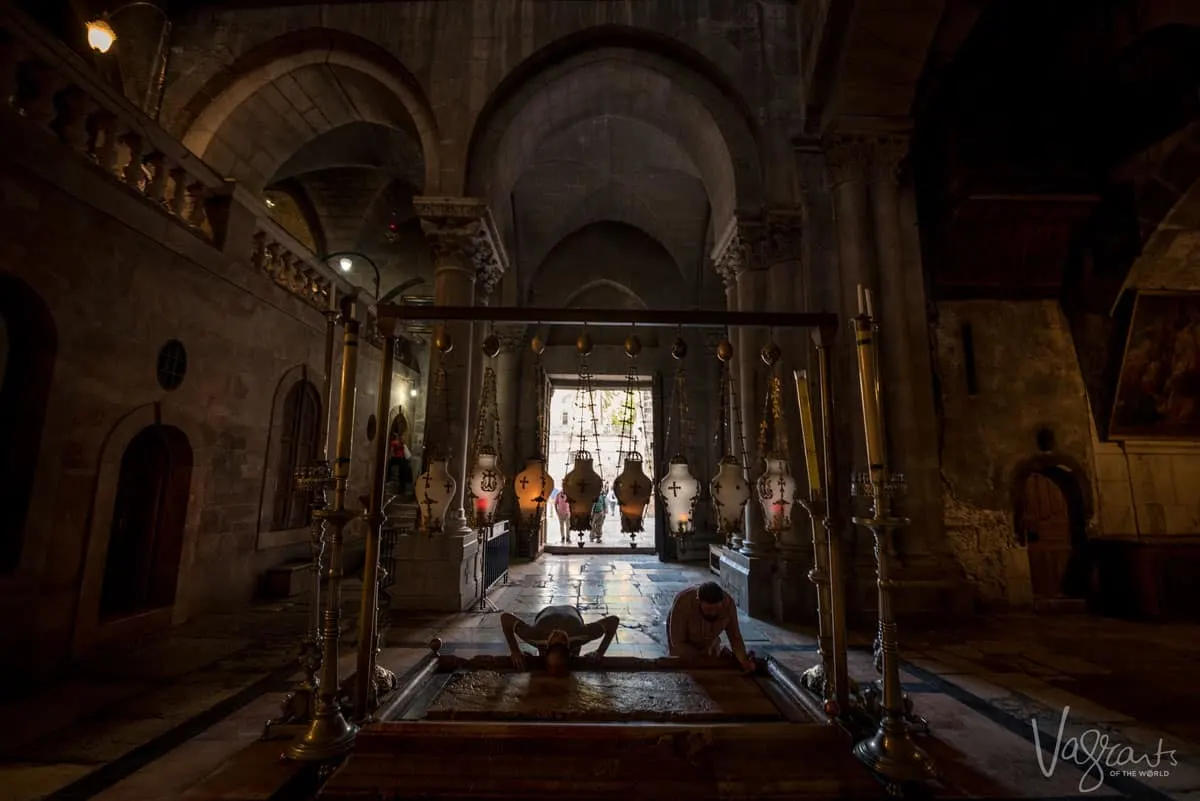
698	617
558	633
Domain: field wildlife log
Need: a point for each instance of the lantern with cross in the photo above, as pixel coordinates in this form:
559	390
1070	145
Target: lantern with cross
776	489
583	485
679	489
435	487
730	489
632	487
486	481
534	485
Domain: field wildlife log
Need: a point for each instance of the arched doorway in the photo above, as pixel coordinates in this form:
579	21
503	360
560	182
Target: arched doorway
141	569
1050	519
28	346
301	428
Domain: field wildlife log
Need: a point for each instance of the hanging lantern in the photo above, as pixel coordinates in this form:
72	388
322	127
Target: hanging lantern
533	486
486	484
679	491
633	489
582	486
730	493
434	489
777	493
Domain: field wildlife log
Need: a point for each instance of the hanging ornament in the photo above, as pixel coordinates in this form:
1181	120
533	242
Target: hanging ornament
679	488
533	487
435	489
632	487
486	480
729	489
583	486
486	484
776	488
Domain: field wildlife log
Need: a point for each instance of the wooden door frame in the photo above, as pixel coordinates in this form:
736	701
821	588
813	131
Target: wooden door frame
1071	480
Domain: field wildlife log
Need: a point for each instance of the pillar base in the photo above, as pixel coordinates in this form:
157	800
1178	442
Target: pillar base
749	581
436	573
795	594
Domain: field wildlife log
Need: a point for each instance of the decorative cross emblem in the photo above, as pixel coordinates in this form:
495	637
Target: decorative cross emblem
674	488
448	486
524	482
636	488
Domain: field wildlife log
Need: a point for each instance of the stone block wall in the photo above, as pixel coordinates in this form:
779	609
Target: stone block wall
116	295
1026	379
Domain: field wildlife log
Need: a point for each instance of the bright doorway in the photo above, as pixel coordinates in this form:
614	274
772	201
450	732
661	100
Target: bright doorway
615	411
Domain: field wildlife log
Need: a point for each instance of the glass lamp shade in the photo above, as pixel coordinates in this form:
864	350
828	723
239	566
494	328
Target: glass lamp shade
533	486
730	493
582	486
633	489
434	490
679	491
486	484
776	493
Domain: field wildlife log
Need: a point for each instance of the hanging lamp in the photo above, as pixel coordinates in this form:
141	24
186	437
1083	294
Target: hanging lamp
729	488
534	485
632	487
583	485
679	488
435	487
486	480
776	489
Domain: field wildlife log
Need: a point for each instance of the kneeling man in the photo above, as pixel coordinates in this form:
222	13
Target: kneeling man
558	633
698	617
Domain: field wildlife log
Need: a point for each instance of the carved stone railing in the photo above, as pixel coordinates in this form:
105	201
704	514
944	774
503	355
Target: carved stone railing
52	88
291	265
43	81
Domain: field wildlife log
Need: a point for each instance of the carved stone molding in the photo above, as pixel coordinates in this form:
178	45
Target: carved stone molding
784	235
738	248
512	337
463	228
864	157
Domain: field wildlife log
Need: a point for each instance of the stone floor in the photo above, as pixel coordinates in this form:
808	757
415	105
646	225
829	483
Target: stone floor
154	719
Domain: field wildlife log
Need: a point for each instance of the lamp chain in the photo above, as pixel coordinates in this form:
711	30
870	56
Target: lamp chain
586	374
625	437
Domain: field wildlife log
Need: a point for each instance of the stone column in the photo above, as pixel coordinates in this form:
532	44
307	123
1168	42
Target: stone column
508	397
466	250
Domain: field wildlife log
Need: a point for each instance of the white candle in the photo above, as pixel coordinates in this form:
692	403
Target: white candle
870	313
332	297
861	302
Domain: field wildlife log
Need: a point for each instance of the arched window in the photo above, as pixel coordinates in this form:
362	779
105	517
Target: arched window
28	344
301	427
145	543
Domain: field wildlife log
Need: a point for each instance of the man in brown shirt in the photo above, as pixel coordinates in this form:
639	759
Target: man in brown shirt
698	617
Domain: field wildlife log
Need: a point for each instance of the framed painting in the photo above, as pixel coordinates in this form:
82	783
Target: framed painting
1158	392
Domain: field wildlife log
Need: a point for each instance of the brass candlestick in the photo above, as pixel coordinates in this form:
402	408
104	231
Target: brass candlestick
329	735
315	479
890	752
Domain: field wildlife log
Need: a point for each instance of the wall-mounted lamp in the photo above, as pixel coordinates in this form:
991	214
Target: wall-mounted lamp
101	36
412	393
345	263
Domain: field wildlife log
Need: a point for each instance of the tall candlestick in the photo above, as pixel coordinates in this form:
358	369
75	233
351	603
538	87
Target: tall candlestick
808	432
863	336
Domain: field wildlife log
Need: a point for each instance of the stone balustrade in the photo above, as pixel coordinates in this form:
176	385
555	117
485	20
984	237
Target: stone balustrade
50	86
43	81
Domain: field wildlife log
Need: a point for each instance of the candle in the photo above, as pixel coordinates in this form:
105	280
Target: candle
808	432
861	301
868	389
870	312
332	297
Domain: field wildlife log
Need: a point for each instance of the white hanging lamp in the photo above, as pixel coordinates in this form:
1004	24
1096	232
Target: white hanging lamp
729	488
679	489
486	480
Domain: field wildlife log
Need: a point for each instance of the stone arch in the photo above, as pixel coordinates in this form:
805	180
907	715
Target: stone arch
621	71
212	106
88	625
28	351
275	460
600	285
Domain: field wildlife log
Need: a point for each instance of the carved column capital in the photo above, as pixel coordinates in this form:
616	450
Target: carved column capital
784	235
738	249
462	228
847	158
888	152
511	337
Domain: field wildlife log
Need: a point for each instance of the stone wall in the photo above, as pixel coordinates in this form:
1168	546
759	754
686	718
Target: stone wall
1027	379
116	296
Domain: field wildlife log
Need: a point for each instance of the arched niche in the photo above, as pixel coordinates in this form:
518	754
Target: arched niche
292	439
1050	480
28	349
90	626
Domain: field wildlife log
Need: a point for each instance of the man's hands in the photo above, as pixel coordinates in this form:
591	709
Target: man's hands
745	662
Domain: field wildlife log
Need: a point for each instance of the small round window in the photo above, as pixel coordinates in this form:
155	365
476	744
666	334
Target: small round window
172	365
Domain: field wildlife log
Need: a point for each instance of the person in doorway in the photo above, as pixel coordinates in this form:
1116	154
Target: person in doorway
399	469
599	513
562	510
698	617
558	633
